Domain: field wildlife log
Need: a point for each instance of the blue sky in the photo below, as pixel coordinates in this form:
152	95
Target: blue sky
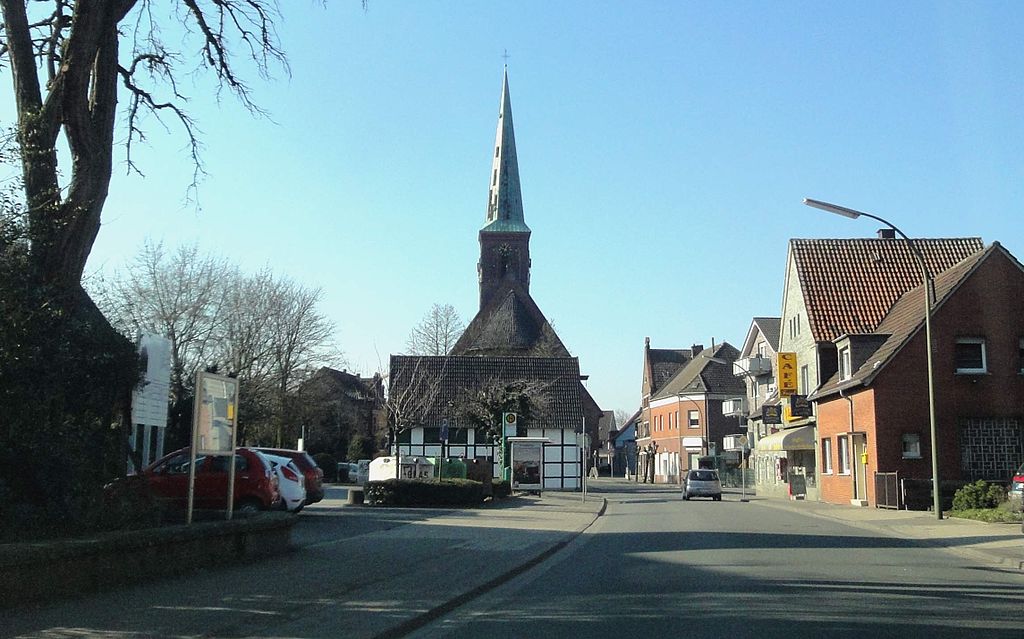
664	150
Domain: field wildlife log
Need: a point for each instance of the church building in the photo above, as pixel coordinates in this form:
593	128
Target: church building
508	346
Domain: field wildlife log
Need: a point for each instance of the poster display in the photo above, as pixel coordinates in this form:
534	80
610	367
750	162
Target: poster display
215	412
527	461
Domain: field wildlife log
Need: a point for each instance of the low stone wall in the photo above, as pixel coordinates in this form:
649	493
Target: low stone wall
49	570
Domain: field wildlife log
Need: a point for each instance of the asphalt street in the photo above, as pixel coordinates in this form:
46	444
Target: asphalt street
654	566
631	560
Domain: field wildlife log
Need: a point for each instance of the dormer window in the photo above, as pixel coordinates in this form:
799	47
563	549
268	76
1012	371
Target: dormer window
845	363
970	356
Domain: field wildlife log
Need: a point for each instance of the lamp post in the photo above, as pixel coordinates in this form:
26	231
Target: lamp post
752	378
679	426
854	214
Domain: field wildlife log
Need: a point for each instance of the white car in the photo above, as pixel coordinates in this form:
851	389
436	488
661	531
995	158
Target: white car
703	482
291	482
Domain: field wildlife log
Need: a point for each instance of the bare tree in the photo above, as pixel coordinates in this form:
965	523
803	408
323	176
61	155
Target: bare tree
265	330
299	338
621	417
437	332
180	296
69	61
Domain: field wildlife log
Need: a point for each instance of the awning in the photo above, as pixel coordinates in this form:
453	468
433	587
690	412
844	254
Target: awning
801	438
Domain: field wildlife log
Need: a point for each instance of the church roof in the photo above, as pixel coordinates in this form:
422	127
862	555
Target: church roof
443	383
511	323
505	198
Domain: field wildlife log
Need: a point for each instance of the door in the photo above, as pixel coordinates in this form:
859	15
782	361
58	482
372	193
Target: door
860	467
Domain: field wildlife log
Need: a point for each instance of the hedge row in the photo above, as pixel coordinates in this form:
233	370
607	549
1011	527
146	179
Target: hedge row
431	492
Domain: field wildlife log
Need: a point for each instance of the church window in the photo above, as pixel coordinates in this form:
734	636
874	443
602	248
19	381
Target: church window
496	151
494	180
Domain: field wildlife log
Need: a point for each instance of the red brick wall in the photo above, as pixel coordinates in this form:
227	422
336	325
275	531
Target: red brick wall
989	304
834	420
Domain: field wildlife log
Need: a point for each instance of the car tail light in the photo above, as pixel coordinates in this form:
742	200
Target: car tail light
289	474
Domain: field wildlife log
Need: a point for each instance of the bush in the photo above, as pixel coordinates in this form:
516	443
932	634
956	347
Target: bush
502	488
327	463
431	492
980	494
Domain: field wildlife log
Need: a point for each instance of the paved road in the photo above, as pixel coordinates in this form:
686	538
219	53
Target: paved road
654	566
651	566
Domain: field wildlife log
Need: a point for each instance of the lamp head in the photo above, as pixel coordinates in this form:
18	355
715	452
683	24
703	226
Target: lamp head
832	208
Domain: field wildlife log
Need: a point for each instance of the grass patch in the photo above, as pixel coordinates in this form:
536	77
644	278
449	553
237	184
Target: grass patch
1001	514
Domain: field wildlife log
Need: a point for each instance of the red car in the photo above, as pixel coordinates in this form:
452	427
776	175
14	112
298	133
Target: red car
313	473
255	481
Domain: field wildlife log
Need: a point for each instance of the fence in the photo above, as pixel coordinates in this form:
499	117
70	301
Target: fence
887	491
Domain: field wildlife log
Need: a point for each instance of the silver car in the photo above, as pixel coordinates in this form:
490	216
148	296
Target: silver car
703	482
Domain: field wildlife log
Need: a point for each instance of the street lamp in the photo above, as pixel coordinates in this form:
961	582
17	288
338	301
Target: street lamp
854	214
743	468
679	427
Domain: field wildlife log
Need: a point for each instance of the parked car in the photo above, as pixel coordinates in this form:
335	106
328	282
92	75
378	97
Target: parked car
1016	491
314	475
703	482
256	483
291	482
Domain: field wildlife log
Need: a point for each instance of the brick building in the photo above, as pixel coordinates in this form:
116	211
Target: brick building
873	411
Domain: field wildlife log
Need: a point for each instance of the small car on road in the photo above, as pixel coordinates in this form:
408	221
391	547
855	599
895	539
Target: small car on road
703	482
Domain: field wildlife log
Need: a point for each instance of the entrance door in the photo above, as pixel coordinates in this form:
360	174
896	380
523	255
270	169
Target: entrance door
860	447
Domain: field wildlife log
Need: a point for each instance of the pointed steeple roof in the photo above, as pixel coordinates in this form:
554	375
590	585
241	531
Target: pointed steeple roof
505	198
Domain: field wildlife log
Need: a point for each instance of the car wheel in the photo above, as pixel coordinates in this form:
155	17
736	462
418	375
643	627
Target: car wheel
249	506
718	498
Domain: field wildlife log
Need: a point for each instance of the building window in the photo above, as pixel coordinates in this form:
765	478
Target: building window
845	367
970	355
911	446
805	380
844	455
677	419
826	457
694	419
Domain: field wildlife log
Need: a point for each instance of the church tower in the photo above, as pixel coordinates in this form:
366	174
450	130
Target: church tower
505	238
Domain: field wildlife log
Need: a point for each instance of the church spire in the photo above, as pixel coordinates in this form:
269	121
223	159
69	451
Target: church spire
505	238
505	198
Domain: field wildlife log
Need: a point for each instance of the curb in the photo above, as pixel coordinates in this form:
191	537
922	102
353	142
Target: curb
443	609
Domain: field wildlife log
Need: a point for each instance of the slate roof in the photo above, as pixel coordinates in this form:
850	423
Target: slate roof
444	379
701	375
850	284
510	323
665	363
906	318
771	328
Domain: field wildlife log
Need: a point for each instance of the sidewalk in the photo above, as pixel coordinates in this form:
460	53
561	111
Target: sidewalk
1000	544
381	584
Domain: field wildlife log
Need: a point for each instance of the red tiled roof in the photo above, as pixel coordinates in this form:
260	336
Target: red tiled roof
906	318
849	285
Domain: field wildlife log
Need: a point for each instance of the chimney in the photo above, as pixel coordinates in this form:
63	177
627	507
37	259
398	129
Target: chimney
887	234
696	349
